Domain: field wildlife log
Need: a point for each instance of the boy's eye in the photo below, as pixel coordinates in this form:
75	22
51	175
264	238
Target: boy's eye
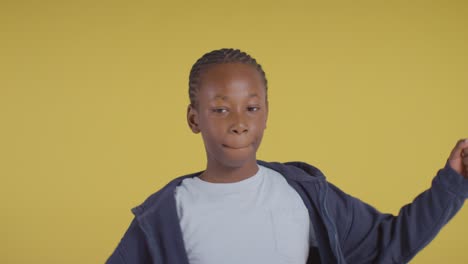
219	110
253	108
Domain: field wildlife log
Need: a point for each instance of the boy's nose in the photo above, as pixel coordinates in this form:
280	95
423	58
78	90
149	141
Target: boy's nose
239	129
239	126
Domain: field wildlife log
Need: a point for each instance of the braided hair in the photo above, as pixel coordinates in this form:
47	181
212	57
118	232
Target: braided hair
219	56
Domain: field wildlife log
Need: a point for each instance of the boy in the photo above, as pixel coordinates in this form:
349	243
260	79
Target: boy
241	210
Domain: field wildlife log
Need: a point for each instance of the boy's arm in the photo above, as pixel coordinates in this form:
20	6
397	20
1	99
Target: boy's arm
372	237
132	249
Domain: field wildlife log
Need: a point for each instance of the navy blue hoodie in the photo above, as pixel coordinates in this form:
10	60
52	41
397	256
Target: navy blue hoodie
347	229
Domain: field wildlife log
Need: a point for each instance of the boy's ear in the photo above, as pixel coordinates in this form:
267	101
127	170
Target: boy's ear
192	119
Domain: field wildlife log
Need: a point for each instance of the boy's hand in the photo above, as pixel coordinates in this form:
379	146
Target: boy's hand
458	159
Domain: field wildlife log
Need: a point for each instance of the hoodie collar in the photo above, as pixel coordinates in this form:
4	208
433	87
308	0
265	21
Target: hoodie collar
292	171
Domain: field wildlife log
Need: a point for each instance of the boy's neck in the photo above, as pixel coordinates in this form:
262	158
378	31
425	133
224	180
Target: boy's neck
216	173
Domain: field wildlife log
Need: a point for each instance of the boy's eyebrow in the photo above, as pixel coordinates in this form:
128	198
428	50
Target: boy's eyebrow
224	97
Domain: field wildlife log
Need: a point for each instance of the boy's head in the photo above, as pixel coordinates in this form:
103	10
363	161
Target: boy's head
228	106
215	57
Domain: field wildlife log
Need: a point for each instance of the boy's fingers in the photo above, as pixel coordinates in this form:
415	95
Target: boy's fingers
465	162
461	149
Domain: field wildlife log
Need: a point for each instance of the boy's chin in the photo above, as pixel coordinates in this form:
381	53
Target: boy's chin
236	162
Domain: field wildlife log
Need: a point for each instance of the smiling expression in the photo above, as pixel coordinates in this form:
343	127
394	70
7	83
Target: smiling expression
231	113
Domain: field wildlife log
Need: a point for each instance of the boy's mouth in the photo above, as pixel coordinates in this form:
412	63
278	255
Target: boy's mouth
234	147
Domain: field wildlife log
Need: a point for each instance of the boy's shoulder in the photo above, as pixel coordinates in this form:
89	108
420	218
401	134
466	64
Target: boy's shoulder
161	197
295	170
164	198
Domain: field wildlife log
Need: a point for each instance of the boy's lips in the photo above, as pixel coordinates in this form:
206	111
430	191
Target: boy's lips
235	147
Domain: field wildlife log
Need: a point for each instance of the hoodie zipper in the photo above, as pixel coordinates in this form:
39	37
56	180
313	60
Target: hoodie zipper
329	223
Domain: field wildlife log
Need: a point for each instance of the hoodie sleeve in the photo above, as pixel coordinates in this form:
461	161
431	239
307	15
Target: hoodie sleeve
132	247
368	236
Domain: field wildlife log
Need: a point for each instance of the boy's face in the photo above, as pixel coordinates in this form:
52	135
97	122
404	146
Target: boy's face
231	113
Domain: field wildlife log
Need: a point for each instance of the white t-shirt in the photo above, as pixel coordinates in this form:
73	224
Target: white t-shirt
261	219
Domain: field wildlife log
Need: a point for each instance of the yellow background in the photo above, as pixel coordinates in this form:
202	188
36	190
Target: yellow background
93	97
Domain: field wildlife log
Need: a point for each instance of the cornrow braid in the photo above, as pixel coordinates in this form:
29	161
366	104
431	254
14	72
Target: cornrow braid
219	56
